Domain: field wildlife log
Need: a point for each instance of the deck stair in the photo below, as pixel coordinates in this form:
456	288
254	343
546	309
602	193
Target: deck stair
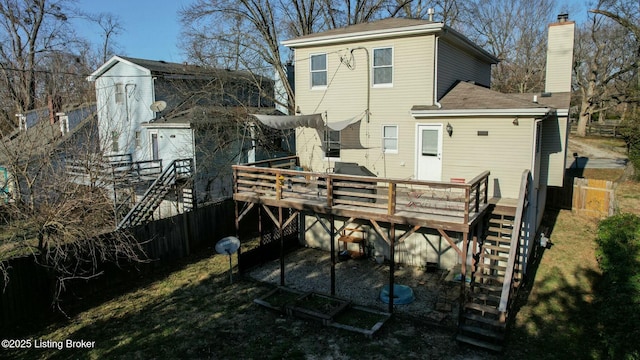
484	315
175	175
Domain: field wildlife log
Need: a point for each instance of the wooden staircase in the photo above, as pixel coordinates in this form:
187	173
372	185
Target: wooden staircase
495	277
179	171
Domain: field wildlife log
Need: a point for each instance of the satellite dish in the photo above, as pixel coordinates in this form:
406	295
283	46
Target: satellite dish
158	106
228	246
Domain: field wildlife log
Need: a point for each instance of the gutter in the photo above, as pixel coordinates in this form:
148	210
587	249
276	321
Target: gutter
475	112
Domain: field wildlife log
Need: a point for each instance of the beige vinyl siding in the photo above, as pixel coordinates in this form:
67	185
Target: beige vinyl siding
559	57
506	151
554	137
346	97
456	64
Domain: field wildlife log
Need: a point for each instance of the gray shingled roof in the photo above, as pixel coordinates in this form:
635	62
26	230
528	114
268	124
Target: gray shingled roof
385	24
554	100
469	96
164	67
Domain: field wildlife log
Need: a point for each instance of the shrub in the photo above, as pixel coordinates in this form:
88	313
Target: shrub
618	294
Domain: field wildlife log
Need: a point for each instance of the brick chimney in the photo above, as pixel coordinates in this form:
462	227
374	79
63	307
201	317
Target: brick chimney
560	55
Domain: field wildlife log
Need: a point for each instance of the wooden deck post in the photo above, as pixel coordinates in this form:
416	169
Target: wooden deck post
329	191
463	266
333	254
392	264
237	224
260	231
391	207
281	233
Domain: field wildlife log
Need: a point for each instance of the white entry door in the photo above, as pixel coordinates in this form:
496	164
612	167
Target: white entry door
429	152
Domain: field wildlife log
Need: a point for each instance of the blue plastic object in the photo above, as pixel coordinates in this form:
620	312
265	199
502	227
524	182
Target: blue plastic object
402	294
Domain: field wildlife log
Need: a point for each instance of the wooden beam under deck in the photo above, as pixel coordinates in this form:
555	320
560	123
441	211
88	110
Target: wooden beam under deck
445	207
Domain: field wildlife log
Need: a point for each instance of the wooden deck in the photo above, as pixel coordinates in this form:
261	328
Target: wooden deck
441	205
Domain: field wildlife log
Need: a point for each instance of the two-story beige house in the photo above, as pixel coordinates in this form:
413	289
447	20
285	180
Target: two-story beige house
401	145
414	97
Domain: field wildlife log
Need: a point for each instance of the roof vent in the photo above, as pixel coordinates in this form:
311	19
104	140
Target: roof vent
430	12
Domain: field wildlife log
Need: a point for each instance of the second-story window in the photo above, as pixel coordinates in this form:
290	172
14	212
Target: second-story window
138	139
331	143
119	93
319	70
390	138
383	66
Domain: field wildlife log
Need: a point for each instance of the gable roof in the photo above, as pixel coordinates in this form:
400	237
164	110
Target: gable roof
164	68
467	98
385	28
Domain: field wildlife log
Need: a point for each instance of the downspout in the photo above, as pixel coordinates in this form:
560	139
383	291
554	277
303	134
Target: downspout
435	74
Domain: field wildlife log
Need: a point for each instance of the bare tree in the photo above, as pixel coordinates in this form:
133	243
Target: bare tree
447	11
515	32
602	59
111	27
28	31
65	225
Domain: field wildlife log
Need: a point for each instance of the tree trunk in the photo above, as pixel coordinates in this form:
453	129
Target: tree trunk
583	119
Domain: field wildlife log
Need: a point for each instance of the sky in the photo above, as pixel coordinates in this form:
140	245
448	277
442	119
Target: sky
152	27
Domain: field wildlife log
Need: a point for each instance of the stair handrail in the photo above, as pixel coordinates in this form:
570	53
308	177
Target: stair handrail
515	242
172	171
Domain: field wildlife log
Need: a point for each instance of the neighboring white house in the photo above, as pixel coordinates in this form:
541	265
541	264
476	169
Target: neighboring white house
415	96
160	111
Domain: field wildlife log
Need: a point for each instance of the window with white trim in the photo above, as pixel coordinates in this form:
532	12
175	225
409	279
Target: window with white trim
119	93
383	66
318	68
390	138
331	143
138	139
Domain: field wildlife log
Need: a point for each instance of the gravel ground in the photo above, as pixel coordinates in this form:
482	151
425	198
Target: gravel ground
360	280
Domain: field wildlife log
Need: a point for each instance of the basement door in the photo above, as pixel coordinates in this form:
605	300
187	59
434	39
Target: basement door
429	152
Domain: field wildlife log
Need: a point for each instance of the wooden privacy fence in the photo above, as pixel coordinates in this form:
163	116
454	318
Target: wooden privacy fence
28	294
593	197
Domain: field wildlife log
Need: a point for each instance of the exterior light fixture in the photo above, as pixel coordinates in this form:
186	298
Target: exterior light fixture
515	121
449	129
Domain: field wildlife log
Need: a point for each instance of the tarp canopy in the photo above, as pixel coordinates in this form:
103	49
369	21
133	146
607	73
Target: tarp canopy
282	122
291	122
350	138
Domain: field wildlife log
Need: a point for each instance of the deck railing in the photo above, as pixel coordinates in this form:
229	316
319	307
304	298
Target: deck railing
508	285
391	196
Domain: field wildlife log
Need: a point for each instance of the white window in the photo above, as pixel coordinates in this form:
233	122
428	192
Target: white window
138	139
119	93
331	143
390	138
115	137
318	70
383	66
64	123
